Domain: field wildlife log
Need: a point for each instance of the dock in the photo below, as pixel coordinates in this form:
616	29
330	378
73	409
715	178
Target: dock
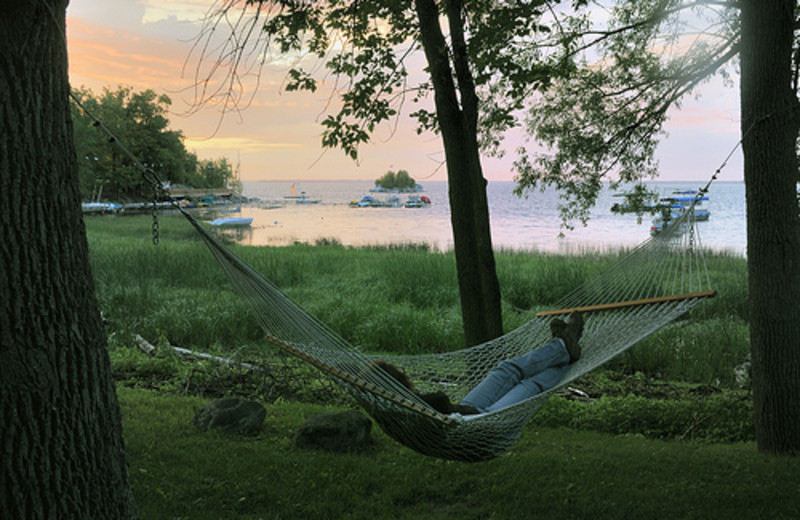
196	193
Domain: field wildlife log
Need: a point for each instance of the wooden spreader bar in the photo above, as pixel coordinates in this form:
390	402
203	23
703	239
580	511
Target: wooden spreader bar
631	303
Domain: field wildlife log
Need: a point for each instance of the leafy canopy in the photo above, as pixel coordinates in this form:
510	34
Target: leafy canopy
138	119
367	56
399	180
632	63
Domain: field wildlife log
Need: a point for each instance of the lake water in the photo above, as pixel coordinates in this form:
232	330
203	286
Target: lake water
527	223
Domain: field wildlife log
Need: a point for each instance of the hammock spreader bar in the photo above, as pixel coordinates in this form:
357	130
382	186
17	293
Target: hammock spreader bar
630	303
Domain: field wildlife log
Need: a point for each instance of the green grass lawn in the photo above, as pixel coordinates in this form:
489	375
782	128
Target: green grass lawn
180	472
668	434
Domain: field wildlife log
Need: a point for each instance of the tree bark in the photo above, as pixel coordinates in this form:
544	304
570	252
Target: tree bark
770	126
469	209
61	447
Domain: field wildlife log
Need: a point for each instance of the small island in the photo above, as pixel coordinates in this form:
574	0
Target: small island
399	182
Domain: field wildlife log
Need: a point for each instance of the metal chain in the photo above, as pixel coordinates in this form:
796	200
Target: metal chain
155	216
151	177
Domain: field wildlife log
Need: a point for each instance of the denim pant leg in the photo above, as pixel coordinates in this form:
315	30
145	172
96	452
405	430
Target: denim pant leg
509	373
530	387
551	354
494	386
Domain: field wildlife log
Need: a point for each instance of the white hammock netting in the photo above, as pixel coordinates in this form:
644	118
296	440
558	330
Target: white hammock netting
658	281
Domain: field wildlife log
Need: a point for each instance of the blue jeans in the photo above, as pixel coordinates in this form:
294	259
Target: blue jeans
515	380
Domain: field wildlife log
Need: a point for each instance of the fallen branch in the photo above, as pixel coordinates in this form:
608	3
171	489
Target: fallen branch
149	348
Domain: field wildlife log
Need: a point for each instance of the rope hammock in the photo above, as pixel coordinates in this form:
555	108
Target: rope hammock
654	284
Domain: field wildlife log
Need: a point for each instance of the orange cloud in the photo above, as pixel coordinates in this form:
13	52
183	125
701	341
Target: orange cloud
104	57
243	144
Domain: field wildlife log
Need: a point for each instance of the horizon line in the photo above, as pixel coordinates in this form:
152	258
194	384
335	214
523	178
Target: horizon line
718	181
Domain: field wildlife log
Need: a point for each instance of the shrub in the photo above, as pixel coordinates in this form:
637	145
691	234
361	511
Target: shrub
723	417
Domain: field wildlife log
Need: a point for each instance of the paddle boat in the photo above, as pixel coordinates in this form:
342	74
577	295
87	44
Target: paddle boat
673	207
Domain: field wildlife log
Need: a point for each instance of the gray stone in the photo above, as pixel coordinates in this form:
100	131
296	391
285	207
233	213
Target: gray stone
337	432
231	414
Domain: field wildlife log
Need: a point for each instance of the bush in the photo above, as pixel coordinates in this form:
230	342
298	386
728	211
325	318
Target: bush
723	417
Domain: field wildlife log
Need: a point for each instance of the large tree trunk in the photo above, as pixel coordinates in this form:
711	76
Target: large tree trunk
61	448
477	277
770	129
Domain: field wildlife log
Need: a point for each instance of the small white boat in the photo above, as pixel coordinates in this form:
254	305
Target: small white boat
415	201
232	221
366	202
392	202
303	199
101	207
659	224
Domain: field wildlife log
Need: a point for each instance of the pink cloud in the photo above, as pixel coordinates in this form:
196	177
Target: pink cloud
104	57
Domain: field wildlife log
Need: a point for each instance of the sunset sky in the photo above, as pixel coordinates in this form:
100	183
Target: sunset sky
145	44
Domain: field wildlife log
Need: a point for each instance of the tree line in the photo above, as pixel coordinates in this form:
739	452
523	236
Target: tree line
140	121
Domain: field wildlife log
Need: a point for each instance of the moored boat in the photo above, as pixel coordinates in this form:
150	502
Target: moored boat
392	202
366	201
674	207
232	221
415	201
304	199
101	207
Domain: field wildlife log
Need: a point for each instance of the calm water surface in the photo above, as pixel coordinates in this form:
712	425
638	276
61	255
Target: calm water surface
528	223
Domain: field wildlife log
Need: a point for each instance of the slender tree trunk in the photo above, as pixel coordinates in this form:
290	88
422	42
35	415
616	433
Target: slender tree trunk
477	277
490	287
61	448
770	130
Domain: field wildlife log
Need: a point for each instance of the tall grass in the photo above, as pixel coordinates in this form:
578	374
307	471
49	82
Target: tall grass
531	279
390	300
705	352
728	273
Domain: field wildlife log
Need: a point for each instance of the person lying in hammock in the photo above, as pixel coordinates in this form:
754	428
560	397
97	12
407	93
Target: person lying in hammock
513	380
